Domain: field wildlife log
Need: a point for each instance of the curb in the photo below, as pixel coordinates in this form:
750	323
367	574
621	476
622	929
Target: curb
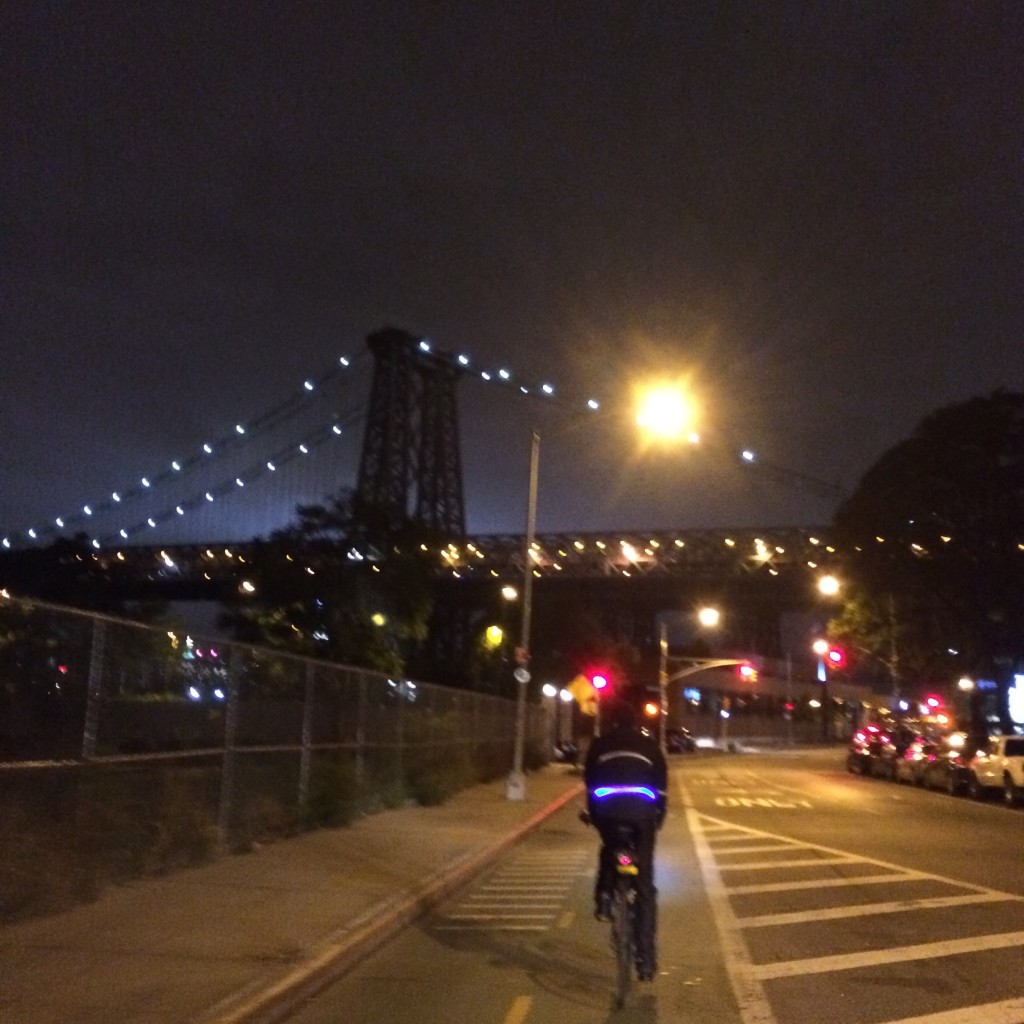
352	944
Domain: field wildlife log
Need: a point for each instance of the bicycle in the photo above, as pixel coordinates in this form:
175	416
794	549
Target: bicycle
624	917
624	912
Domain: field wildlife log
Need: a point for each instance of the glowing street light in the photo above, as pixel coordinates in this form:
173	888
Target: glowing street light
828	585
709	617
665	411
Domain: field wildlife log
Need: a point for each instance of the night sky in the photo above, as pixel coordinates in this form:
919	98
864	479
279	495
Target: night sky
811	211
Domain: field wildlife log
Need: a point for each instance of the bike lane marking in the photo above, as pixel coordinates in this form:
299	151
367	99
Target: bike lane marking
518	1010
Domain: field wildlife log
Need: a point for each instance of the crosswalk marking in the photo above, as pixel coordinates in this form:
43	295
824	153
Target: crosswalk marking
893	955
867	909
724	849
825	883
798	862
527	894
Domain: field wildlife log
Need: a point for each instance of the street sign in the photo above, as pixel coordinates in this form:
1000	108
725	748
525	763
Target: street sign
581	690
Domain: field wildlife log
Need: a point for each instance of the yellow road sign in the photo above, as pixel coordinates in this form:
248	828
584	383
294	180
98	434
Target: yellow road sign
584	694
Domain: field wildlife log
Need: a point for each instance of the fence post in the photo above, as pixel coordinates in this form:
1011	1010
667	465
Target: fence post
227	777
400	736
94	693
361	732
307	736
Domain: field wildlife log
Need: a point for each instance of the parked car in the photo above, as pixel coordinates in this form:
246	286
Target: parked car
865	747
891	751
567	752
946	770
998	766
911	766
679	741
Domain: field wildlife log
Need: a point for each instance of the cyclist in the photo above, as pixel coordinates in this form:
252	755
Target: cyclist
626	779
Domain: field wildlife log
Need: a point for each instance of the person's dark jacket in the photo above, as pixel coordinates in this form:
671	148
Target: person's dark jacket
626	758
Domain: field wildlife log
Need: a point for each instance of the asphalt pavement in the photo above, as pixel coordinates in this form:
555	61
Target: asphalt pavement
245	939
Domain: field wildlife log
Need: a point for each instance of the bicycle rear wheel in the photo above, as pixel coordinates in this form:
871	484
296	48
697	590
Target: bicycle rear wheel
622	939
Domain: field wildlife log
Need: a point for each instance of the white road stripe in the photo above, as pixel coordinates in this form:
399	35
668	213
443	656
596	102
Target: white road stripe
513	887
866	909
759	848
804	862
491	928
534	876
876	957
498	904
499	917
827	883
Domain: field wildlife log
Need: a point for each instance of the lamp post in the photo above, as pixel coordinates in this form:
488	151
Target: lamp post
664	412
515	786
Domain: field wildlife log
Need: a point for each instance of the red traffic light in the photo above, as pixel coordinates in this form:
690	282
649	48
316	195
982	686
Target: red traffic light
598	680
748	672
836	657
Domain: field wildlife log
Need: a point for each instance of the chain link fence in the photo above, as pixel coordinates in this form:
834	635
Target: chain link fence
128	749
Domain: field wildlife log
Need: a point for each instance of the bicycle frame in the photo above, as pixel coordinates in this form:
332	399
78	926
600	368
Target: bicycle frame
624	900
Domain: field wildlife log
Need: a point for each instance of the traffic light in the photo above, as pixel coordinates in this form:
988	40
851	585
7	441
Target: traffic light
652	709
599	680
747	672
836	657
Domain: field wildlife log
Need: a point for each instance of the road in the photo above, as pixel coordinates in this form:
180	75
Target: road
790	892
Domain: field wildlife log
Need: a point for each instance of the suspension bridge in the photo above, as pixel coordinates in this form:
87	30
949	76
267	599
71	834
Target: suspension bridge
384	421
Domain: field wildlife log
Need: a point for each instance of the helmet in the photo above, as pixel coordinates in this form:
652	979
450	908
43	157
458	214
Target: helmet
619	714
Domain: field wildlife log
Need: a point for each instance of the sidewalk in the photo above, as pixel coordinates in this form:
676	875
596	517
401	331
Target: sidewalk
247	937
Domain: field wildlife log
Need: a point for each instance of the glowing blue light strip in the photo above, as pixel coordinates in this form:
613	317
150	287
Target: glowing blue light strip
602	791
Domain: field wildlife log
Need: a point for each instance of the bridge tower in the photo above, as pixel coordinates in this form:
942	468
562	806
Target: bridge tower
411	465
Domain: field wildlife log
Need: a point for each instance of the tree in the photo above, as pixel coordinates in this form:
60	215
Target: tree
932	538
316	590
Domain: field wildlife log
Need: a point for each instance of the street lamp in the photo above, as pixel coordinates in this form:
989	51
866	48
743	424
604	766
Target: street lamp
709	617
665	411
515	786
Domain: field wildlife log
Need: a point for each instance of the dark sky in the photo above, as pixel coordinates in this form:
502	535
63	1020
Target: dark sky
811	210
